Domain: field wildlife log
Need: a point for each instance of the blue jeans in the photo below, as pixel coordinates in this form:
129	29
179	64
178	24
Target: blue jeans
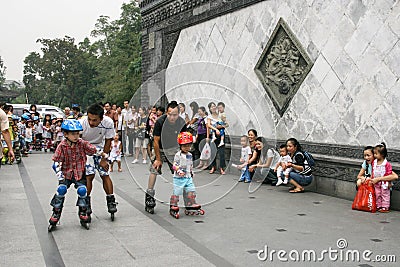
300	178
245	175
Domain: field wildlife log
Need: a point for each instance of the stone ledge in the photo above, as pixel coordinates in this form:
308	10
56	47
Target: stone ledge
333	175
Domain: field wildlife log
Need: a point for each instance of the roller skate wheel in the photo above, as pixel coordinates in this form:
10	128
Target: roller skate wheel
150	210
186	212
202	212
85	225
177	216
51	227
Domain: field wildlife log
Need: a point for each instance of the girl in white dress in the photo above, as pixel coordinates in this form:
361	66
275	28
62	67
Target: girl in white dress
115	153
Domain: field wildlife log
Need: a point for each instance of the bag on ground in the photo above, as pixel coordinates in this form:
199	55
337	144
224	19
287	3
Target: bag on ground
365	199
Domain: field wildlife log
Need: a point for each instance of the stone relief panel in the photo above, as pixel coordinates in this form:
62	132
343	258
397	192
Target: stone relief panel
283	66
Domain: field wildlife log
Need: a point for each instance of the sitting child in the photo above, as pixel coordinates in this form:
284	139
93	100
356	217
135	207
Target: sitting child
281	166
244	159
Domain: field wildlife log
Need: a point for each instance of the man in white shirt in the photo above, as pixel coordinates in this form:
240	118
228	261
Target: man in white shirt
99	131
124	111
131	118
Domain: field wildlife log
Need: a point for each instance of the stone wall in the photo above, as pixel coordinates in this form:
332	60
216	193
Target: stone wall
351	94
346	95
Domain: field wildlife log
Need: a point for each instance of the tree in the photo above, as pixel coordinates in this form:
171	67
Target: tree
118	50
108	69
61	76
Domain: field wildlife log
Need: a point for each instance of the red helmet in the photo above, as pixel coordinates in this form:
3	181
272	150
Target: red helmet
185	138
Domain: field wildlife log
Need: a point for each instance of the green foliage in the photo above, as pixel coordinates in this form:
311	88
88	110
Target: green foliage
107	69
118	48
60	76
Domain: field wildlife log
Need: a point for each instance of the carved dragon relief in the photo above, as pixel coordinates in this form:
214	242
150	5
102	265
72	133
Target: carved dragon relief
282	65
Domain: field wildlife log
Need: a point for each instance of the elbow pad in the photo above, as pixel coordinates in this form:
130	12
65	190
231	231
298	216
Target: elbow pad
57	169
175	167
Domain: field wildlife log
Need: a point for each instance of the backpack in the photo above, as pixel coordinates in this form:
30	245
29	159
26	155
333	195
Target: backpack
309	158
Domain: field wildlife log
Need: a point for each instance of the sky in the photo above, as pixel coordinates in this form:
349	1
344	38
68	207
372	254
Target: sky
24	21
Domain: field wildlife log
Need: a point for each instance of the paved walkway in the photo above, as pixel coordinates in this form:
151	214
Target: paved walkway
236	226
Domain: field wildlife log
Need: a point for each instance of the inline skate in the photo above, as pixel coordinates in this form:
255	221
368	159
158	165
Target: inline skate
150	202
111	205
84	217
57	203
54	219
191	207
17	150
173	207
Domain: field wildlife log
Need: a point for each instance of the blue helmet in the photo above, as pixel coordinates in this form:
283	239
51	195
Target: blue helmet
26	116
71	125
35	118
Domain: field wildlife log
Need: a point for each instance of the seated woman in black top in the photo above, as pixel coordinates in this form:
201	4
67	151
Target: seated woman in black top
301	174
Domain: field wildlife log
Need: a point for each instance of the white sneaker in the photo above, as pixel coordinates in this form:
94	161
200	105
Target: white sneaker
221	144
144	161
134	161
234	165
285	181
279	182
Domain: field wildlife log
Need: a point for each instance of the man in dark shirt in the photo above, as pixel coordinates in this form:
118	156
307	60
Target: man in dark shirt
166	130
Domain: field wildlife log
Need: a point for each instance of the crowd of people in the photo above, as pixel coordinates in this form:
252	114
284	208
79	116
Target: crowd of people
167	135
31	131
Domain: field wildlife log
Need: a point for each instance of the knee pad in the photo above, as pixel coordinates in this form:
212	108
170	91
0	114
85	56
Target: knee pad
81	191
62	190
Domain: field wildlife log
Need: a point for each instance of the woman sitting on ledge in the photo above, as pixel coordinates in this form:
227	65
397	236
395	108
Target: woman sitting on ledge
301	174
265	159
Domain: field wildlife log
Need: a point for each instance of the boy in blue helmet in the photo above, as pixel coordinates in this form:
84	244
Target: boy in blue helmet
69	165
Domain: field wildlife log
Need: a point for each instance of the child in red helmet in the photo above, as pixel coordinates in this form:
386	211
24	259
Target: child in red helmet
183	181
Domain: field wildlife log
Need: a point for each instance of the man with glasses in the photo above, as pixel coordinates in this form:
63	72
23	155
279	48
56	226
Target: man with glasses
166	130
